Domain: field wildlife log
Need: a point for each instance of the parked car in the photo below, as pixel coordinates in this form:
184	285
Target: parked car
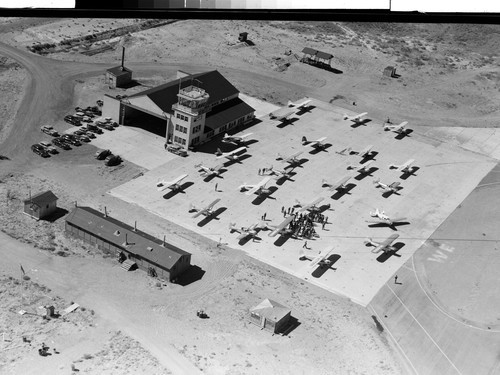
114	124
176	149
37	149
48	147
83	138
71	139
61	144
113	160
94	128
79	114
73	120
105	126
90	134
47	129
100	103
79	132
102	154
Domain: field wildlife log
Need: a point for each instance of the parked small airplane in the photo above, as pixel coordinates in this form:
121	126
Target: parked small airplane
231	155
259	188
339	185
396	128
173	185
394	187
303	104
356	119
209	171
406	167
320	260
280	115
318	143
366	152
247	231
311	206
291	159
384	246
344	151
363	168
282	228
207	211
235	139
279	174
382	218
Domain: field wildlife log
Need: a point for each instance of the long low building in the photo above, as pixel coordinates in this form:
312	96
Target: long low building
123	241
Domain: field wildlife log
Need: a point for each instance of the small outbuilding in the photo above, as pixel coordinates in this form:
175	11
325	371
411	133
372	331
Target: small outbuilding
270	315
119	76
243	37
390	71
40	205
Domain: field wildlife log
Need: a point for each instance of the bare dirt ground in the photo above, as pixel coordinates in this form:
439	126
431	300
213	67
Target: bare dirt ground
449	77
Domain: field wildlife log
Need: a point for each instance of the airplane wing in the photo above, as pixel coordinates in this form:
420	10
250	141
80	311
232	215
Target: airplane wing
340	183
321	257
408	164
292	157
396	220
388	241
162	185
243	235
258	186
207	209
245	136
312	204
320	140
281	226
303	104
394	186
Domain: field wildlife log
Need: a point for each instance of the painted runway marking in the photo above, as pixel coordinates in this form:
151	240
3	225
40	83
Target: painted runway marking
423	329
441	309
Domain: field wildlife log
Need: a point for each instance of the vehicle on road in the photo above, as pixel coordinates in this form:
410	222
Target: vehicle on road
61	144
40	150
102	154
47	129
113	160
48	147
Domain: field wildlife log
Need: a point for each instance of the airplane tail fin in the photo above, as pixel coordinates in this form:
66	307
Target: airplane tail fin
191	207
324	182
197	165
290	104
226	135
304	139
232	226
392	166
368	241
376	181
351	166
345	117
218	152
302	254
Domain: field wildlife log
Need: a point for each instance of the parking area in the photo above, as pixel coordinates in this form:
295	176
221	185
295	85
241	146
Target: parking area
135	145
445	175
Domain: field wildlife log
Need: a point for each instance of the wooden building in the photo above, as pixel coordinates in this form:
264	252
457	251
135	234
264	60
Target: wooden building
127	243
40	205
390	71
119	76
270	315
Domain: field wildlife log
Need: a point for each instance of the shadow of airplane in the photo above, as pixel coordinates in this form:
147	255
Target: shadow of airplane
304	110
210	177
262	197
341	192
387	254
229	162
368	172
404	134
407	175
370	156
387	194
297	163
317	150
393	226
213	216
359	123
181	189
285	122
320	270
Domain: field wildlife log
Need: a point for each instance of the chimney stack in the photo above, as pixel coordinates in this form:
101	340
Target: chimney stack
126	239
163	244
105	212
123	57
76	204
135	226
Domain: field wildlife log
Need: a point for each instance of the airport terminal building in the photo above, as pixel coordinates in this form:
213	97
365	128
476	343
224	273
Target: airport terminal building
188	111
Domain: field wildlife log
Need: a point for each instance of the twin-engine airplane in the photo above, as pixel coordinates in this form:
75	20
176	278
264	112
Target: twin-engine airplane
300	105
291	159
406	167
400	129
320	260
339	185
209	171
311	206
357	119
232	155
207	211
382	218
245	232
282	228
385	246
318	143
235	139
394	187
259	188
173	185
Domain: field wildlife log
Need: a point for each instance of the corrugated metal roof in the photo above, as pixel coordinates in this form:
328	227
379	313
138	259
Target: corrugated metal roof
309	51
117	70
214	83
116	232
227	112
271	310
42	198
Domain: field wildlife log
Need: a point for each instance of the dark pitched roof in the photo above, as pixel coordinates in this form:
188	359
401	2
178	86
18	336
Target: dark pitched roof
116	232
118	70
324	55
226	112
214	83
309	51
271	310
42	198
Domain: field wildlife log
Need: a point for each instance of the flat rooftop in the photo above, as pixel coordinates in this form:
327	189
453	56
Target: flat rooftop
446	175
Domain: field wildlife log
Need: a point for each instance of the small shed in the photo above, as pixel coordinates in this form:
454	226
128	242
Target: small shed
270	315
243	37
40	205
118	76
390	71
